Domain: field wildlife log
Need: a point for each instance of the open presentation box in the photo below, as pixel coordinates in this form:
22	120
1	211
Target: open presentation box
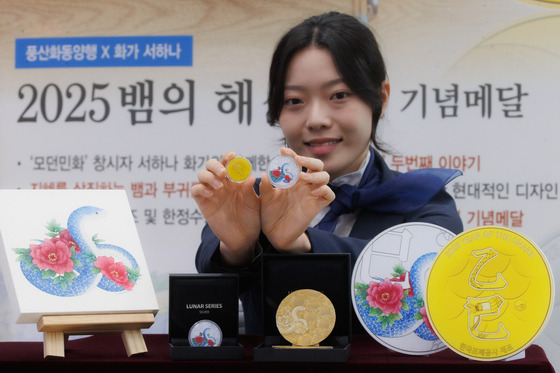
204	297
326	273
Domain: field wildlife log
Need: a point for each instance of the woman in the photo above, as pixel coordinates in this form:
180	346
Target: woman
327	92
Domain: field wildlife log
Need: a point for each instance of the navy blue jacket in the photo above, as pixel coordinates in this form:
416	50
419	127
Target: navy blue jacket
440	210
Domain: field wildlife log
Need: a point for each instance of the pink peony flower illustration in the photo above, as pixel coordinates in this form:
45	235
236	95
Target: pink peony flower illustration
422	311
114	271
199	339
386	295
67	238
53	254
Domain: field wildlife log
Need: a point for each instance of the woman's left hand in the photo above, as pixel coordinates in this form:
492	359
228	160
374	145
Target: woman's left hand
286	213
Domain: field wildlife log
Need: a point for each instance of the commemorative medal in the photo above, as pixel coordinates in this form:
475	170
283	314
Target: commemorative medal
305	317
205	333
238	169
283	171
490	292
388	286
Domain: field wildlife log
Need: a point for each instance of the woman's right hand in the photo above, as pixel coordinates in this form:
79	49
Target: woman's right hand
231	209
287	213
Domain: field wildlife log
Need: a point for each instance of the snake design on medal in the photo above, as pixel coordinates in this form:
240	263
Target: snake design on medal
297	324
205	333
283	171
305	317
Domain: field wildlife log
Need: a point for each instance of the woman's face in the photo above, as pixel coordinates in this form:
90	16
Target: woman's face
321	117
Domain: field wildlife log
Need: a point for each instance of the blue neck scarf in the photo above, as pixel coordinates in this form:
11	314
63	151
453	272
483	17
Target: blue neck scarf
403	194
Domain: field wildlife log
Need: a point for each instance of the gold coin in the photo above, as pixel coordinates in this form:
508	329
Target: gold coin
489	293
305	317
238	169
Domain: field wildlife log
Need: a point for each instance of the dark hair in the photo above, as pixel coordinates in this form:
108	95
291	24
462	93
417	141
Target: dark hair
355	54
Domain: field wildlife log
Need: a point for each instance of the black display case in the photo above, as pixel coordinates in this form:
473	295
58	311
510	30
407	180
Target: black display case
327	273
197	297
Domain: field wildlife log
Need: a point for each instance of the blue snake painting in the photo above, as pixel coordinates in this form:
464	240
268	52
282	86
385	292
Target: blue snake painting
68	264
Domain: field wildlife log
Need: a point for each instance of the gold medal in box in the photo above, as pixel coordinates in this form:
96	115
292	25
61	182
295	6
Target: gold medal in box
489	294
305	318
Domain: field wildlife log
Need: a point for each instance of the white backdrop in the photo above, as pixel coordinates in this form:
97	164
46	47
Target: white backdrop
474	86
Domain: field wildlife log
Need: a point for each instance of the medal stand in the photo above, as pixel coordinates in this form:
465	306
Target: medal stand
57	328
336	349
304	347
517	356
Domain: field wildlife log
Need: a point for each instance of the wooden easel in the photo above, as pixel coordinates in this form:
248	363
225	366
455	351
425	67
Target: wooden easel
57	328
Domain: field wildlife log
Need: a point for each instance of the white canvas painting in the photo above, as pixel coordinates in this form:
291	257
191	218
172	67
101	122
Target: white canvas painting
72	252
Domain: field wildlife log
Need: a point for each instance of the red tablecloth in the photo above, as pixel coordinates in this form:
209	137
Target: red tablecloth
106	353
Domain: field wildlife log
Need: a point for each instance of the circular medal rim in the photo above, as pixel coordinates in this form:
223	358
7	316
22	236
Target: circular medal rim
210	322
295	178
227	173
300	290
550	301
383	340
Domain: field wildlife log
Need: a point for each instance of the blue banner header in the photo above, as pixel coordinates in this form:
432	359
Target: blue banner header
109	51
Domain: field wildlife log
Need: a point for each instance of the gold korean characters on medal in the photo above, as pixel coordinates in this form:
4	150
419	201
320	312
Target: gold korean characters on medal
489	293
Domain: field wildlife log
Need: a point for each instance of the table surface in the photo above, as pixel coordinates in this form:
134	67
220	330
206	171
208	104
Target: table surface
106	352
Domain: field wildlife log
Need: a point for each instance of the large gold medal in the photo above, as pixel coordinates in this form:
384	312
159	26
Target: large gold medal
305	317
489	293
